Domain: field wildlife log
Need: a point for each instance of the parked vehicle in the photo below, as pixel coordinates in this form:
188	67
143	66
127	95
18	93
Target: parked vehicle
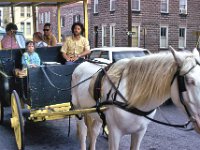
113	54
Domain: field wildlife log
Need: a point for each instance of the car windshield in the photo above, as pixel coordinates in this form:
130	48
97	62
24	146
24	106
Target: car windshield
99	54
128	54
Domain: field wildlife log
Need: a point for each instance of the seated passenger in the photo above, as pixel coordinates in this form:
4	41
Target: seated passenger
9	41
48	36
76	46
38	39
30	58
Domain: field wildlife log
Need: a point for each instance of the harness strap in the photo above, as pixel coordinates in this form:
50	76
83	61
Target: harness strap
125	107
135	111
182	88
124	99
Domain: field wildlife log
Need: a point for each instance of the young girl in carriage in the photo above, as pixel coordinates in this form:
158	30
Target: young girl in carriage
30	58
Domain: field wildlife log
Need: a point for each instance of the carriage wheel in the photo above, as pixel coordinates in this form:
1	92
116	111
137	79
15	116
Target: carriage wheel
17	121
1	112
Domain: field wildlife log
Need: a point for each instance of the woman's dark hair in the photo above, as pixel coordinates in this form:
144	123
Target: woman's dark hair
28	42
11	26
38	35
80	25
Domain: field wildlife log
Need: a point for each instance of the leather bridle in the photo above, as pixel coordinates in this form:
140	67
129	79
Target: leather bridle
134	110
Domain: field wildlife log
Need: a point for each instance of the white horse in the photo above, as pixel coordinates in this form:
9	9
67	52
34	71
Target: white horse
146	84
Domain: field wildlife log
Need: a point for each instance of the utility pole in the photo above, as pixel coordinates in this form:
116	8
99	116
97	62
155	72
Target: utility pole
12	12
34	18
129	23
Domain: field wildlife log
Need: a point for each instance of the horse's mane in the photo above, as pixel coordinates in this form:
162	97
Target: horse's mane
149	77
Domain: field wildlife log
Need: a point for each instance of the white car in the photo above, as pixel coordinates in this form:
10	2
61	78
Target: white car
113	54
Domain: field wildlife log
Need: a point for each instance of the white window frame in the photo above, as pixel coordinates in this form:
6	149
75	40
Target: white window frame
136	25
22	11
46	17
27	33
138	5
183	10
22	24
167	7
28	11
49	17
112	35
42	18
185	38
62	21
111	5
96	6
167	36
104	32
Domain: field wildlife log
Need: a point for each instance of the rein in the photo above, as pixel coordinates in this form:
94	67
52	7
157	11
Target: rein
67	89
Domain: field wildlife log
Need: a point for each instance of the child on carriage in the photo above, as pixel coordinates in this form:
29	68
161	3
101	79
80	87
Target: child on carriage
30	58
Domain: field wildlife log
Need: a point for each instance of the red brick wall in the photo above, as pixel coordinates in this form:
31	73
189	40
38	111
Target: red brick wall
150	18
67	12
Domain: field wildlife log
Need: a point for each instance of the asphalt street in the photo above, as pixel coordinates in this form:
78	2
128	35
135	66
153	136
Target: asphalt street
52	135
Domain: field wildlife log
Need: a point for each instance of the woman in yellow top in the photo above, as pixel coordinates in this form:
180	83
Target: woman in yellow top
75	46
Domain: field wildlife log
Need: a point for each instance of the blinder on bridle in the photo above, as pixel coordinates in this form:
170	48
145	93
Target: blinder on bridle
182	87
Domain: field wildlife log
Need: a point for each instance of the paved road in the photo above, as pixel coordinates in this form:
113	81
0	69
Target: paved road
52	135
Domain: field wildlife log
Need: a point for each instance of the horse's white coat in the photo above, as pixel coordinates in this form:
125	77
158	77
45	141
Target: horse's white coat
119	121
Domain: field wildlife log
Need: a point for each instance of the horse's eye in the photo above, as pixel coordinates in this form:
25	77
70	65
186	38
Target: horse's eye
190	80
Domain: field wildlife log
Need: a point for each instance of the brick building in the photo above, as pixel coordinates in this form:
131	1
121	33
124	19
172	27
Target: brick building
69	14
156	23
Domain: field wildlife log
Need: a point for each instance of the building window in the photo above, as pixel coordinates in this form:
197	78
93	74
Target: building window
22	11
163	37
28	11
112	35
28	28
135	36
136	5
49	17
164	6
46	17
112	5
183	6
62	21
96	6
182	38
104	35
77	18
42	18
22	26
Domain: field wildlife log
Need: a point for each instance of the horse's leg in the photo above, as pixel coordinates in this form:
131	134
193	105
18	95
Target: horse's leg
82	133
136	139
114	138
94	132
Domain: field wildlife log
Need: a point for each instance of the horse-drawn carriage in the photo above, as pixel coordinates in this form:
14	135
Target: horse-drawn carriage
44	93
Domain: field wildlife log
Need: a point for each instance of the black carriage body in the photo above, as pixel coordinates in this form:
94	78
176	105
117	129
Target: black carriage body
42	93
11	59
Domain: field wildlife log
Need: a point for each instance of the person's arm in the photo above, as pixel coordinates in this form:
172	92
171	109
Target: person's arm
83	54
86	49
25	61
37	60
54	41
64	51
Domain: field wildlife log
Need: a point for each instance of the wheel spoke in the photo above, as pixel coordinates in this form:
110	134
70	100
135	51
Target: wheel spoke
17	120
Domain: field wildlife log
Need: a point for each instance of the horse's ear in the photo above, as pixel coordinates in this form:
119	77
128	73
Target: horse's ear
177	56
195	52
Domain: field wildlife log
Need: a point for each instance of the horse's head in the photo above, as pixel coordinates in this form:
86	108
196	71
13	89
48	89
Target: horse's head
186	87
